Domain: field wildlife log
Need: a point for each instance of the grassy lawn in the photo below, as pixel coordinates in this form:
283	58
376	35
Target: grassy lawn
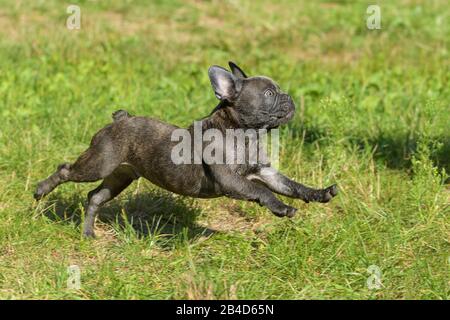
372	116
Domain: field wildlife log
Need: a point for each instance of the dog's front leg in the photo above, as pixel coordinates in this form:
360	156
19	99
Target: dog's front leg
281	184
237	187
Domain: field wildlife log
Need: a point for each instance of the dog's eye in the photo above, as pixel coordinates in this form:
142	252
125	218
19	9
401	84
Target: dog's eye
268	93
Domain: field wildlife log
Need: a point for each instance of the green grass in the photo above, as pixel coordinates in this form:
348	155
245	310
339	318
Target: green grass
373	116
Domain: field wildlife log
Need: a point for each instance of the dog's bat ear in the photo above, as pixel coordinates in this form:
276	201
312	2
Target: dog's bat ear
225	84
236	70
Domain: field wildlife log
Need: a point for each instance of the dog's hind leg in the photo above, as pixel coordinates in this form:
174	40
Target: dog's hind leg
111	186
46	186
96	163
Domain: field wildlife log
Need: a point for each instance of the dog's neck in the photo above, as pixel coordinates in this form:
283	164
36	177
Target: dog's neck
223	117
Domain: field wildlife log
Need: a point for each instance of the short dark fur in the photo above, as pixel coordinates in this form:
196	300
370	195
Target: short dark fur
133	147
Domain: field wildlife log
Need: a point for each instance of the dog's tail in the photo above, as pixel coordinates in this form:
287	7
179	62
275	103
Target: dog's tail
120	114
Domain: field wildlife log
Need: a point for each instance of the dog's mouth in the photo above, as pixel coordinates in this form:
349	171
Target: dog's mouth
278	121
288	105
290	114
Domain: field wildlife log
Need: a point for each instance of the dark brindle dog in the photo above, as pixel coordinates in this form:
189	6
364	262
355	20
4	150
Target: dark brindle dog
133	147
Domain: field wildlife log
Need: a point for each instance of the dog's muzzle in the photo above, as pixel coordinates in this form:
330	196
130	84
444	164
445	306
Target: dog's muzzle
287	106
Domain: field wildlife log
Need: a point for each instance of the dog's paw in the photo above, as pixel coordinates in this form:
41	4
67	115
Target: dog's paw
333	190
89	234
285	211
290	212
40	192
329	193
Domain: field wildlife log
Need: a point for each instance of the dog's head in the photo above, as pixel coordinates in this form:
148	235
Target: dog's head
257	102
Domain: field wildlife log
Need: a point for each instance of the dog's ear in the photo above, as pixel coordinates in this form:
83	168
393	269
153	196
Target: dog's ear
226	86
236	70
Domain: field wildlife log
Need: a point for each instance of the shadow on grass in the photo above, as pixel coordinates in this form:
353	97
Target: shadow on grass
157	214
395	151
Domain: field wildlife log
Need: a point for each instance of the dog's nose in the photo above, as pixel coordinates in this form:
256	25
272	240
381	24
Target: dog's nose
288	103
286	97
290	99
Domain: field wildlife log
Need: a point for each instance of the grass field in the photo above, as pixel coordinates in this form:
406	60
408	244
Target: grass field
372	116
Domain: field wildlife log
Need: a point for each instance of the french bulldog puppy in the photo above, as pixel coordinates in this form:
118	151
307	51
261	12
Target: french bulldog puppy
133	147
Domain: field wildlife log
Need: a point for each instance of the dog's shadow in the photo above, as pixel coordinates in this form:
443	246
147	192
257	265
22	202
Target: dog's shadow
161	215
